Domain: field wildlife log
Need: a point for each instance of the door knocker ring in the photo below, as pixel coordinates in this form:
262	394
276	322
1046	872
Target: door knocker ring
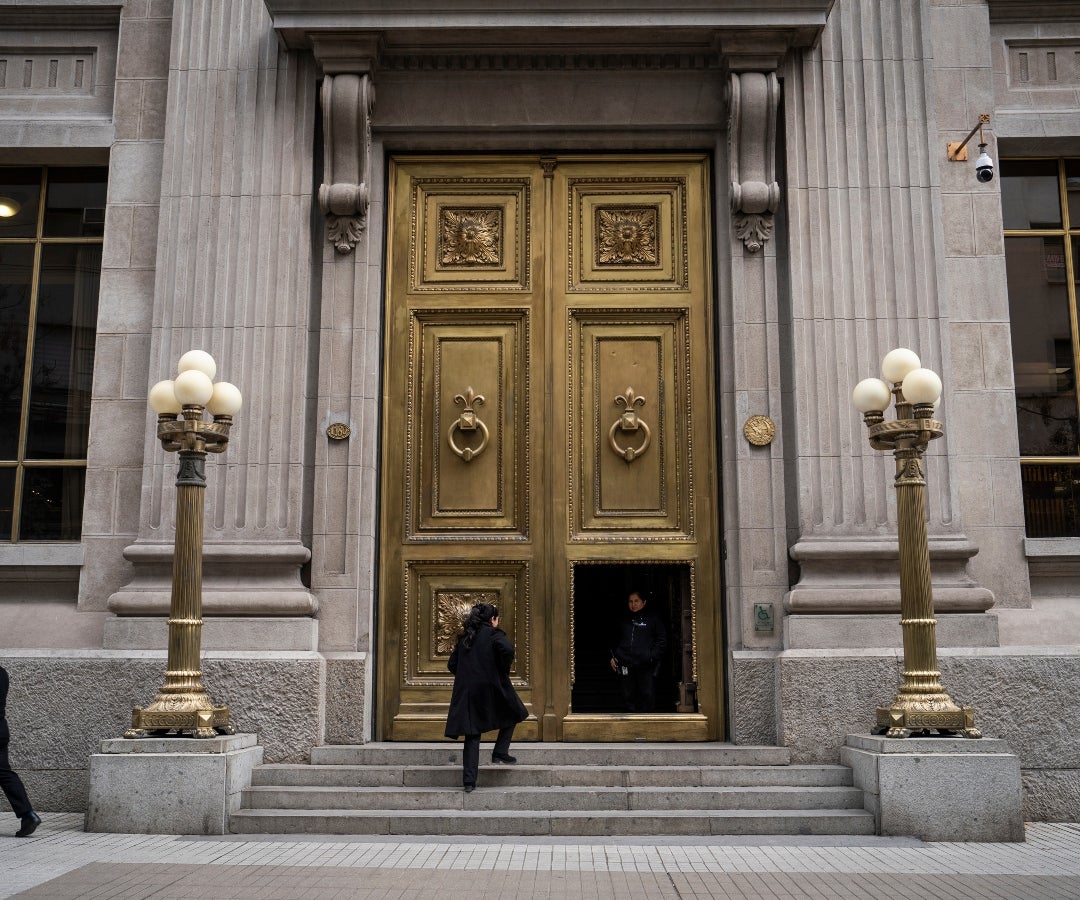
629	421
468	421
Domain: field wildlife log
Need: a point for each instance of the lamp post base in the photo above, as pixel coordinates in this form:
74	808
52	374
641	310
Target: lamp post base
923	715
180	713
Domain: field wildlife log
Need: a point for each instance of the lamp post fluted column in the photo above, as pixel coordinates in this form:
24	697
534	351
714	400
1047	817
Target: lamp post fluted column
182	705
922	705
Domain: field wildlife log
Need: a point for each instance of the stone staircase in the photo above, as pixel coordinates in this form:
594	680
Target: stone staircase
555	789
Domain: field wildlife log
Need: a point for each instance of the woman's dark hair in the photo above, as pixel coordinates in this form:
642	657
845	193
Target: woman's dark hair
479	615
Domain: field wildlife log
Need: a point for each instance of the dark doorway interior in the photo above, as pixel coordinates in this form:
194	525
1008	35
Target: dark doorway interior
600	595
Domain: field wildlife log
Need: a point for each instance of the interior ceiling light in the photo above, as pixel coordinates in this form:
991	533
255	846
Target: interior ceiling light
9	207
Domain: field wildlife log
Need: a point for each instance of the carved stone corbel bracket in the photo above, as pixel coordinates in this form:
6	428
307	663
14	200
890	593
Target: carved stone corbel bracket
753	98
347	101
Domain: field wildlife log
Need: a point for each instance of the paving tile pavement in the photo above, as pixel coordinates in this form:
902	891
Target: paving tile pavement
61	861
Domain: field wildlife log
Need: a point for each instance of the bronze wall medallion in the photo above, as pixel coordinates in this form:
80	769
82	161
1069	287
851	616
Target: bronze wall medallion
759	430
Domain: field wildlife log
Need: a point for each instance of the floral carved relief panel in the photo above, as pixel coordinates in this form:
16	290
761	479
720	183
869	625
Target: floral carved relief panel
470	237
439	595
626	236
469	234
451	608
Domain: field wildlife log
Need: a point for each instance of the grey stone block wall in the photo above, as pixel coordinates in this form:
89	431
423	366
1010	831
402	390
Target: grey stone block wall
1026	698
345	698
979	406
62	704
753	691
121	376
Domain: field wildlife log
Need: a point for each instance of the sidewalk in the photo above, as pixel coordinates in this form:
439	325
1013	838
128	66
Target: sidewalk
61	861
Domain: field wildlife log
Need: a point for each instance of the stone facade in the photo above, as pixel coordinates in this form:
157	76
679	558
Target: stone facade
234	133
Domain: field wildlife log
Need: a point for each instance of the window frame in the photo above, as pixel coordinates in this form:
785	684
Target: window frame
21	463
1066	233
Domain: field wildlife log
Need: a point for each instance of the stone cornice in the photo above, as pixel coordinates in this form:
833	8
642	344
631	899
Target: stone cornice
606	29
60	14
1029	11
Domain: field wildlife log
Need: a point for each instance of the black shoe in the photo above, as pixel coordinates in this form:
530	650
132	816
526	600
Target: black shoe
504	758
30	823
469	788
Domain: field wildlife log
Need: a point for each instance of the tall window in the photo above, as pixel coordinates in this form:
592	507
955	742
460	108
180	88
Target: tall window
51	223
1041	209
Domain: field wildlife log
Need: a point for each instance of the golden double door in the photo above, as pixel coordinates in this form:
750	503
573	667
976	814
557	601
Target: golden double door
548	436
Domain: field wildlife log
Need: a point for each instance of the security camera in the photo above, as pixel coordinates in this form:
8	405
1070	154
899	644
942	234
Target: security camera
984	165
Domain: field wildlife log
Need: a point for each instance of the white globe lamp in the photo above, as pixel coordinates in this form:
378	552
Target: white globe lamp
898	363
921	387
226	400
198	361
193	388
871	395
163	399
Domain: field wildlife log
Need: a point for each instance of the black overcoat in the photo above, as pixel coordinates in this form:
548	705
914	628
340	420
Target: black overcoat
483	698
5	737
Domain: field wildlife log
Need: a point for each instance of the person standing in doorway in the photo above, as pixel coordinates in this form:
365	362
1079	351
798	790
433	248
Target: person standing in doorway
9	781
483	697
639	647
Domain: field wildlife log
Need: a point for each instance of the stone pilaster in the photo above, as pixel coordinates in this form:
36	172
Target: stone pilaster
983	412
346	458
866	254
749	358
119	427
233	278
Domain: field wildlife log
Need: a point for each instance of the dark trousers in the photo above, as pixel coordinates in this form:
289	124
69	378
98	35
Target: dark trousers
13	786
470	757
639	688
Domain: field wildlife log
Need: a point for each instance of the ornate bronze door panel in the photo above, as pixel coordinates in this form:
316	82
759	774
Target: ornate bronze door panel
548	407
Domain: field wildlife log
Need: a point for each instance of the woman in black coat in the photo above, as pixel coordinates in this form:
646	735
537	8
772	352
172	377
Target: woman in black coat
483	698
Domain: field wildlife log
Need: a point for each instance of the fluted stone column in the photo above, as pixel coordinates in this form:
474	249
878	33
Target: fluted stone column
868	269
233	278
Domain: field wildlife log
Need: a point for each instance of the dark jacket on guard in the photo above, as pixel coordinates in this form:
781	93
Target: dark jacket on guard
640	639
483	697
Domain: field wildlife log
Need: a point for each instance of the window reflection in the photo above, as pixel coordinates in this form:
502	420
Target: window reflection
1046	407
1072	190
75	203
22	188
1051	500
16	279
1030	196
60	386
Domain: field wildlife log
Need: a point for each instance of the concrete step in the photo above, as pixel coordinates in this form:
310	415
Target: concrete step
554	754
523	775
592	822
549	799
555	789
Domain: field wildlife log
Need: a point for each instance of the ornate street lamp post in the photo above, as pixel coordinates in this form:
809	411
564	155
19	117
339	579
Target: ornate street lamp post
922	706
182	705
